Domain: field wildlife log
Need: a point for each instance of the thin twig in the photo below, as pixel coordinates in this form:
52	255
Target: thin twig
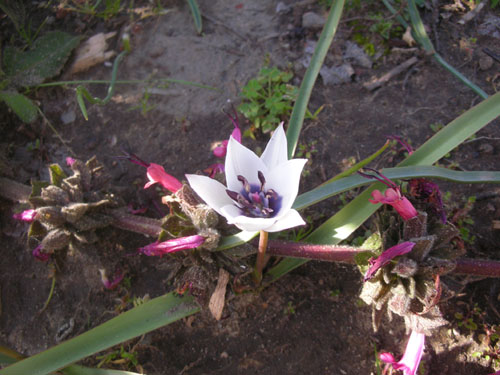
377	82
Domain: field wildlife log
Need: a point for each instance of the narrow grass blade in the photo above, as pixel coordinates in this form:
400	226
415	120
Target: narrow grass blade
300	107
82	93
195	11
361	164
421	37
135	322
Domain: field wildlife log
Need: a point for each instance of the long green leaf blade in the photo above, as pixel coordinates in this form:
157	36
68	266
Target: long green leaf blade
356	212
135	322
300	106
348	183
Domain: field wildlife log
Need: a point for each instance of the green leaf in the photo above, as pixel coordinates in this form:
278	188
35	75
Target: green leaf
355	213
195	11
44	60
135	322
56	174
23	107
300	107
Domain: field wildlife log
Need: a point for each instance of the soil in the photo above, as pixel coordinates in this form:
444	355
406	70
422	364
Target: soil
310	321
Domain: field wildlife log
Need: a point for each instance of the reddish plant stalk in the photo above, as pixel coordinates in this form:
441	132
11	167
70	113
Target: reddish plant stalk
17	192
138	224
478	267
327	253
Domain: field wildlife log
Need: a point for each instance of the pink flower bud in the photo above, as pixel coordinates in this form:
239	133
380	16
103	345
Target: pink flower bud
386	257
413	354
39	254
393	197
173	245
156	174
27	215
111	284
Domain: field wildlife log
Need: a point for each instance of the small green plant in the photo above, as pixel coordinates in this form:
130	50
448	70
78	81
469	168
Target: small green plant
106	10
121	356
267	100
28	68
289	309
488	336
144	105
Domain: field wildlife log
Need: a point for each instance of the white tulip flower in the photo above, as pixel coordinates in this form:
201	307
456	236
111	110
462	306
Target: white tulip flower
260	190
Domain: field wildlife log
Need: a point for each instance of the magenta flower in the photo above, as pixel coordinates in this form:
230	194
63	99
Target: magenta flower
221	151
413	354
392	196
40	255
27	215
114	283
386	257
156	174
70	161
173	245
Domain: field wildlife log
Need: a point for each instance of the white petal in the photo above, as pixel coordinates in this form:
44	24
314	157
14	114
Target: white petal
241	161
291	219
211	191
230	212
276	151
251	224
284	180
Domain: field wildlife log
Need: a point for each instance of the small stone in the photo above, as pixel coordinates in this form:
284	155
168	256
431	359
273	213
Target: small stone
311	20
224	355
485	62
68	117
282	8
336	75
486	148
357	55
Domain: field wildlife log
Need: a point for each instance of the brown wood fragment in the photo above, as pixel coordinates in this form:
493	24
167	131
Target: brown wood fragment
496	224
377	82
216	304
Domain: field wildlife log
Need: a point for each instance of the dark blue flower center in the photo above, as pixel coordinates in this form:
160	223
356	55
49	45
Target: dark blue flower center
254	200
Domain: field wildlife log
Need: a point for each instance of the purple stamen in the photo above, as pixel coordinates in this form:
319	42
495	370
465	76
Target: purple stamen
253	200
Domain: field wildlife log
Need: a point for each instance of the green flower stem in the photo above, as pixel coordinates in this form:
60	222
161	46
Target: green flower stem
261	257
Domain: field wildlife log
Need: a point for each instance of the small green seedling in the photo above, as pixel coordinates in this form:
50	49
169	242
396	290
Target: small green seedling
267	100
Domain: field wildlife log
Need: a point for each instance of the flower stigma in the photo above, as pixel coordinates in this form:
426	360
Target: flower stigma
254	200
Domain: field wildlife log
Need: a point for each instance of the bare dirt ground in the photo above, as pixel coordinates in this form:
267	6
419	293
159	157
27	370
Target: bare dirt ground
310	321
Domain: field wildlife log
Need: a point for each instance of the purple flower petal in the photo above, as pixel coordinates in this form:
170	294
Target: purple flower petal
173	245
386	257
412	356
